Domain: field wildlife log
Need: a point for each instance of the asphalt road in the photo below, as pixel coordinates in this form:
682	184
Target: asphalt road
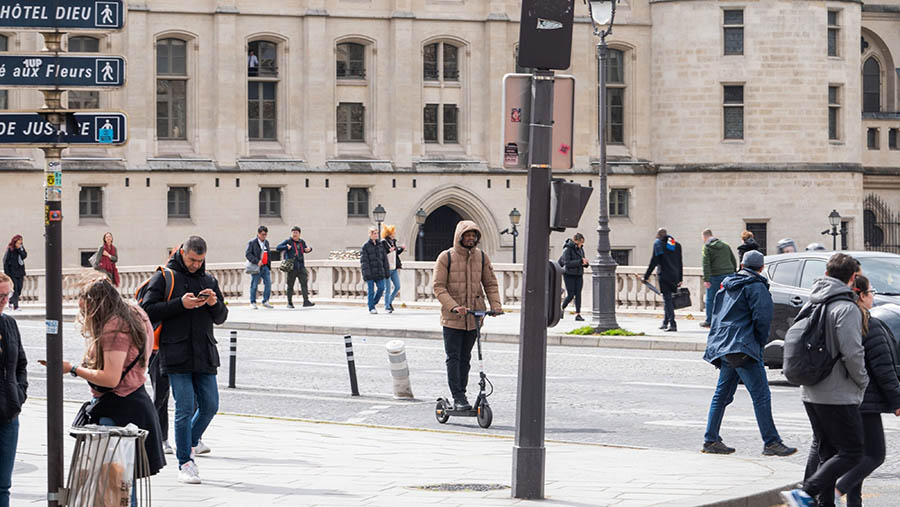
655	399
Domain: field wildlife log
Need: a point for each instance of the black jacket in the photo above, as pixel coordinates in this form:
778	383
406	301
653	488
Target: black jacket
883	392
11	264
571	259
747	246
13	376
254	252
388	243
666	256
292	250
374	262
186	343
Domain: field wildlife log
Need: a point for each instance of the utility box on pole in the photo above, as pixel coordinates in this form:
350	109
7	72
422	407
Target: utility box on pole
545	34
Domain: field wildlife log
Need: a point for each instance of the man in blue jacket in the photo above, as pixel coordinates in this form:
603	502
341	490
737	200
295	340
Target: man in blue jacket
740	325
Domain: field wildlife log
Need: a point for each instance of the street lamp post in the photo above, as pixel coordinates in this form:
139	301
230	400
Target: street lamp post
603	268
834	218
420	239
514	217
379	213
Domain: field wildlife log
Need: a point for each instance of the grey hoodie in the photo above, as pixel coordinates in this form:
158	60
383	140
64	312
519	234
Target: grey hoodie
843	334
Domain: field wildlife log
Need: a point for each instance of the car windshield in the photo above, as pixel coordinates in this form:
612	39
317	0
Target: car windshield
883	273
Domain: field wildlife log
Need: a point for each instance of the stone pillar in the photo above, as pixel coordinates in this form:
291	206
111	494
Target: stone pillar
230	71
408	285
325	282
318	83
405	112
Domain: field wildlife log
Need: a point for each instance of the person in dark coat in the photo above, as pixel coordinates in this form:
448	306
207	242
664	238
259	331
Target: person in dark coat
14	267
374	263
13	390
257	252
573	262
742	314
882	395
748	243
295	248
667	258
187	345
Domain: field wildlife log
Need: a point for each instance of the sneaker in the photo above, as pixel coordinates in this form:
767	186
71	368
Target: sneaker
778	449
579	318
308	303
289	305
188	473
267	305
373	311
462	404
717	447
204	449
253	305
167	449
704	324
391	308
672	328
797	498
664	326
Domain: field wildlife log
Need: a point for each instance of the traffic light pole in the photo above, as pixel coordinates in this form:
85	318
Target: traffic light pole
528	452
54	289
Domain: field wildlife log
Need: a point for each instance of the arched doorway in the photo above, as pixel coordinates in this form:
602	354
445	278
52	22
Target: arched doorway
439	228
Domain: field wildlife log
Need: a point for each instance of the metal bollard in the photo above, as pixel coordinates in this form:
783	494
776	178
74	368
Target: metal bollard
399	369
232	359
351	365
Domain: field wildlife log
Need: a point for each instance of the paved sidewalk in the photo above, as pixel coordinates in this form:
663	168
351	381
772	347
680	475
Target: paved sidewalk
259	461
424	322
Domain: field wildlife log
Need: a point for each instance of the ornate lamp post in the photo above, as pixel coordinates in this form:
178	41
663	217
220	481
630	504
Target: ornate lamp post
834	218
514	217
603	268
379	213
420	241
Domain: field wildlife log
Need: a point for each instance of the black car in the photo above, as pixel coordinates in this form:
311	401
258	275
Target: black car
791	277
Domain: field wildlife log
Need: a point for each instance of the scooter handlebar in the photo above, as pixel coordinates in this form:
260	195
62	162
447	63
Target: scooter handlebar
482	313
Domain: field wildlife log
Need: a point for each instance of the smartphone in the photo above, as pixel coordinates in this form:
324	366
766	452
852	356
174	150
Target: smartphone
202	296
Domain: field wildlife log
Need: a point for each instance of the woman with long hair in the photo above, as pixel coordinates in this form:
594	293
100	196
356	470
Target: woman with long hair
393	251
119	340
14	267
109	256
13	389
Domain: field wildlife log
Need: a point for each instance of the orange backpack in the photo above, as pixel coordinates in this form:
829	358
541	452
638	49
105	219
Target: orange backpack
141	293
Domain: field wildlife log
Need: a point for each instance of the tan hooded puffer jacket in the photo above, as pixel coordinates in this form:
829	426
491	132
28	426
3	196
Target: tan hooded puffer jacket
461	284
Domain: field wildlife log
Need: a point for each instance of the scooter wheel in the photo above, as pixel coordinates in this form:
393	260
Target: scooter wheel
484	416
440	412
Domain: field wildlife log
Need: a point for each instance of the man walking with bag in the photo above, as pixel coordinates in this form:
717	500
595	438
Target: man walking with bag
294	248
258	253
667	257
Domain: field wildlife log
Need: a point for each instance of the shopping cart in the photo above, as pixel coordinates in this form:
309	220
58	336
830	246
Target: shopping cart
108	463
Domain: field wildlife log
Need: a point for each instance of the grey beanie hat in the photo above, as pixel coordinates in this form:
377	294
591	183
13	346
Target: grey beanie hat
753	259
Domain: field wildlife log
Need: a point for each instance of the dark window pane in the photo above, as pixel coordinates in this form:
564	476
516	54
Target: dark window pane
4	43
358	202
83	100
760	234
621	256
451	62
833	123
351	122
734	17
786	273
430	123
451	116
430	62
734	94
179	202
615	118
266	53
615	67
618	202
872	139
734	123
892	139
832	18
833	95
871	86
90	202
734	41
269	202
351	60
832	41
268	91
171	57
84	44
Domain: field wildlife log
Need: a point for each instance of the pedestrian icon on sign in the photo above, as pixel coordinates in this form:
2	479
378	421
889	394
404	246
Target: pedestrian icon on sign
107	72
105	134
106	14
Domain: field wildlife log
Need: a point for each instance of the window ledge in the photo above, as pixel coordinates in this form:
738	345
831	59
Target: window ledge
835	142
180	221
91	221
349	81
732	141
272	220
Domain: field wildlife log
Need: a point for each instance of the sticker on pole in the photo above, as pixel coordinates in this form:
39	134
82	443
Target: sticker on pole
52	327
55	215
54	179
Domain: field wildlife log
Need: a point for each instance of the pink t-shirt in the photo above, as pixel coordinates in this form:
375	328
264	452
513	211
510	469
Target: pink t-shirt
115	338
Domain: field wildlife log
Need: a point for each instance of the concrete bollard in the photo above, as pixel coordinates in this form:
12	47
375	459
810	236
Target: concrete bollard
351	365
399	369
232	359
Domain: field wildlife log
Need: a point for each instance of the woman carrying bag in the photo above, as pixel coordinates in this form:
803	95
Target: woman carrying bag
107	256
14	267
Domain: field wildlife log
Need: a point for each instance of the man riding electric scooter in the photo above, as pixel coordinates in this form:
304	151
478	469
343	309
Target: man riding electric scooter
462	276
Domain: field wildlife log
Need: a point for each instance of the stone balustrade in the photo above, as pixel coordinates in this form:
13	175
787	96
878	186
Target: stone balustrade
341	280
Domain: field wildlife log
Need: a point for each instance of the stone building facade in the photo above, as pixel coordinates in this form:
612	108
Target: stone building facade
722	114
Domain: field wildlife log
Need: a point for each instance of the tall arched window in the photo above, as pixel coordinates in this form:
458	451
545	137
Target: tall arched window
171	89
615	96
871	86
83	99
441	62
262	91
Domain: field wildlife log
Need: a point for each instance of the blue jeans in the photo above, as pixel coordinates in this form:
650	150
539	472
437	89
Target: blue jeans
389	292
375	297
753	373
9	439
187	389
267	284
106	421
714	283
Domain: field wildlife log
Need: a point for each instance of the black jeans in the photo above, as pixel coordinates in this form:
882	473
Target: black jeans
160	394
458	345
292	275
839	433
574	283
668	304
851	482
18	283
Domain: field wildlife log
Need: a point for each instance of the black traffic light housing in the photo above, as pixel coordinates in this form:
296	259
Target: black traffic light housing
567	203
554	293
545	34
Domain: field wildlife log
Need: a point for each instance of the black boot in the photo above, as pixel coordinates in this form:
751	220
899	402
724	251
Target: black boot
664	325
672	328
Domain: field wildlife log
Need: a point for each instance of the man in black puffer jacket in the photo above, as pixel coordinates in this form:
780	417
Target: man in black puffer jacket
375	268
573	262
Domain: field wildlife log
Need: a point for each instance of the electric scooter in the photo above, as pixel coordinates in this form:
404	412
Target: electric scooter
481	410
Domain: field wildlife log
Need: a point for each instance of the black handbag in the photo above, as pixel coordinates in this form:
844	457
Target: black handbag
681	298
83	417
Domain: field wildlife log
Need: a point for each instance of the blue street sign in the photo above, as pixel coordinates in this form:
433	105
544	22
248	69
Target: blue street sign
68	14
66	71
29	129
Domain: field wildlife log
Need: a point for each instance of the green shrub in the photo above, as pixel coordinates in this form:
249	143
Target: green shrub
588	330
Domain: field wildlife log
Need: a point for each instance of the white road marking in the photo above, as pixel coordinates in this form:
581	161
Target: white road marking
710	387
365	414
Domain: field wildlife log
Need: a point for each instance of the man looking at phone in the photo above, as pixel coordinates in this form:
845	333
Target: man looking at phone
187	347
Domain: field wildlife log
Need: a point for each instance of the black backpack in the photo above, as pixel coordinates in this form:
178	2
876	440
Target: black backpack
807	360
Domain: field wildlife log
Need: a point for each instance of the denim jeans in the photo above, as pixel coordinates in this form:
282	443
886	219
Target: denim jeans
458	345
9	439
375	296
714	283
188	388
753	373
391	292
106	421
267	284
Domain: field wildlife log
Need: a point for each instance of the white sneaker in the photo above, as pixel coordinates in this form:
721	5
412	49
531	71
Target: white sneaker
201	448
373	311
167	448
253	305
189	473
